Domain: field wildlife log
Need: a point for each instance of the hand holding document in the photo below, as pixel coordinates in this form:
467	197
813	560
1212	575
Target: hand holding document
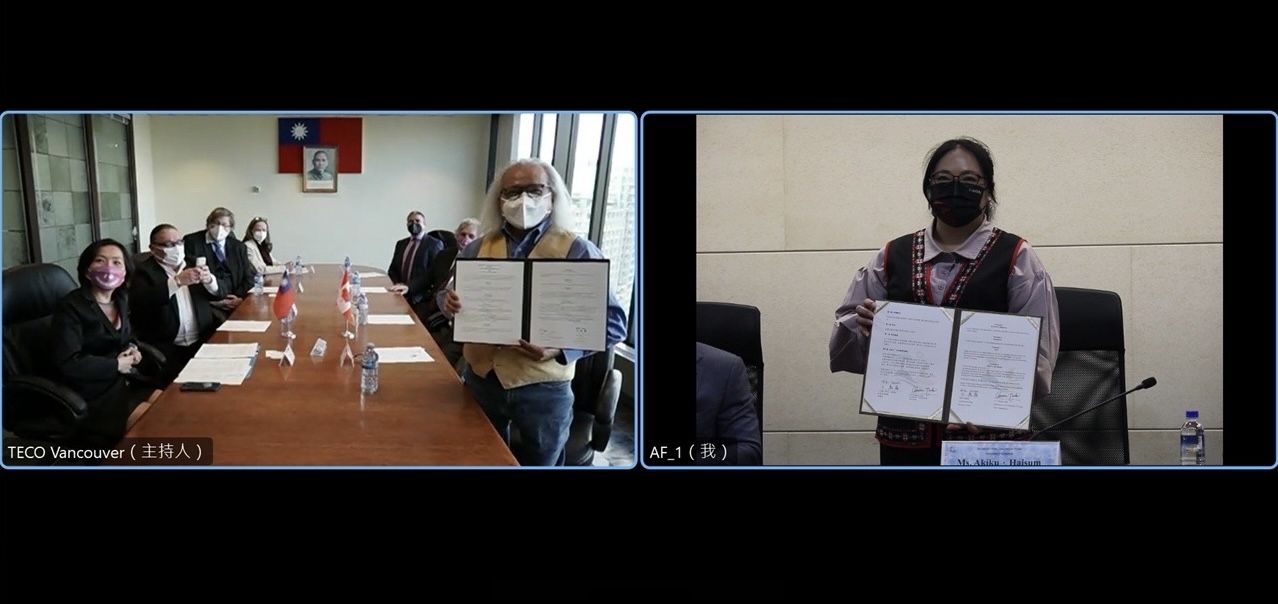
950	365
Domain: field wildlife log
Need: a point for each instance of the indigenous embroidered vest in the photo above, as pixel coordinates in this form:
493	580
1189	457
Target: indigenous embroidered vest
513	368
978	284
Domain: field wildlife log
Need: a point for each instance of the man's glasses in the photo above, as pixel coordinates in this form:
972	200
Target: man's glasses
536	190
166	244
967	178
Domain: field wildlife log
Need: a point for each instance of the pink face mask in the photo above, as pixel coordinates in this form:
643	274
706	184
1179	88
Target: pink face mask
107	277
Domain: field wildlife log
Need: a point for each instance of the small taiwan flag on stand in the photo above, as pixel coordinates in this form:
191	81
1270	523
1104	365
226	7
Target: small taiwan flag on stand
284	298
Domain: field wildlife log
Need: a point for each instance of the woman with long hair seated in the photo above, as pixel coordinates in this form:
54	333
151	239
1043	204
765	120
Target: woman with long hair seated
93	344
257	237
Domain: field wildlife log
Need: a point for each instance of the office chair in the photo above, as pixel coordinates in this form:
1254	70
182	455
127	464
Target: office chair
37	405
736	328
596	388
1089	369
449	238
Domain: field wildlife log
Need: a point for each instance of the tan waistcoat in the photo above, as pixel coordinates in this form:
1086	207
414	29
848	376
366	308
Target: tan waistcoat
513	368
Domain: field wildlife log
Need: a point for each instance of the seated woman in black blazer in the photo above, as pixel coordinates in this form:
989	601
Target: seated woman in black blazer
93	343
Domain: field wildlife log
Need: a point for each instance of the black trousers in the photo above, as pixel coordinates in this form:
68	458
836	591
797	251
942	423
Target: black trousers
109	414
175	359
897	456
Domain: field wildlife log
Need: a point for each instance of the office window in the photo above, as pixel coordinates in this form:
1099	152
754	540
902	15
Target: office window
68	181
618	241
546	150
114	172
585	169
524	140
61	178
15	216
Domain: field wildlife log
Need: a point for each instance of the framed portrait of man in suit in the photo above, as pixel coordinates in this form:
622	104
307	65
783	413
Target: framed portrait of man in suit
319	169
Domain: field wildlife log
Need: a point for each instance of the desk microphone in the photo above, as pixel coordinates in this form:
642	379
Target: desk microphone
1148	383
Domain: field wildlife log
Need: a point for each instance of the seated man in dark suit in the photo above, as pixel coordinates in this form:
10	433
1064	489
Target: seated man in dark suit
725	409
410	266
226	257
171	301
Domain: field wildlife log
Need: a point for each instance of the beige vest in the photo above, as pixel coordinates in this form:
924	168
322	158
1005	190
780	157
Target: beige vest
514	369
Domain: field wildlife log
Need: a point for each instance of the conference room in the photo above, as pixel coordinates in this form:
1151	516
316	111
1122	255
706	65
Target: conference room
1125	211
332	187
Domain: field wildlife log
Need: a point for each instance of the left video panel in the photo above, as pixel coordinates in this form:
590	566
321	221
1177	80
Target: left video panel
278	290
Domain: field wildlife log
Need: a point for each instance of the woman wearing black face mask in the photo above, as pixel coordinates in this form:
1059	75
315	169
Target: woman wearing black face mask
961	260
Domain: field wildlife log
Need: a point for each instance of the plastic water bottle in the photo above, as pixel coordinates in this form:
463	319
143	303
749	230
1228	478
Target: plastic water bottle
346	266
361	310
297	266
368	378
356	292
1193	441
257	284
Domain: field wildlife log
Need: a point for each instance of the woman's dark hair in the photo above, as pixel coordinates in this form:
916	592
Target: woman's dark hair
91	252
265	246
983	158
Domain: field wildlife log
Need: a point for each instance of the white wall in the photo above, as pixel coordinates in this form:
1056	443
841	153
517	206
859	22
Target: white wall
190	164
788	207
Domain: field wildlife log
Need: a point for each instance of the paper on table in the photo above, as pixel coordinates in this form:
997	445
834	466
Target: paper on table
371	275
227	351
569	307
492	295
390	320
372	290
403	354
228	372
275	355
270	289
252	326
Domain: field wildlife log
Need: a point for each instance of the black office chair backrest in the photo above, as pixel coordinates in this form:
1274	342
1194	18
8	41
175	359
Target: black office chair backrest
449	238
1090	368
736	328
595	389
31	294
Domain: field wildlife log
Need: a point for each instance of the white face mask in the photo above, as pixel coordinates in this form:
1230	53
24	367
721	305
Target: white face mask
173	256
219	232
526	211
259	236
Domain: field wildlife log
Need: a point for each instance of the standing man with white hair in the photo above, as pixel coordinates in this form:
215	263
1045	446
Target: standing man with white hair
528	213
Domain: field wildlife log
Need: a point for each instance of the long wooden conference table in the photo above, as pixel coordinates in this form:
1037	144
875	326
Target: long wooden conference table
312	413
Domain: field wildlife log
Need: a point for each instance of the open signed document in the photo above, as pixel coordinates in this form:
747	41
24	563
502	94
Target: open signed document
941	364
552	303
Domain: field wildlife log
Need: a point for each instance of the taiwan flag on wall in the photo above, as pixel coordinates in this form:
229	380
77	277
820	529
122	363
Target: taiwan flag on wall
347	133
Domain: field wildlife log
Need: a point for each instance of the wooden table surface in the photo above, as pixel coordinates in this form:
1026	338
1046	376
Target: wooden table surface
312	413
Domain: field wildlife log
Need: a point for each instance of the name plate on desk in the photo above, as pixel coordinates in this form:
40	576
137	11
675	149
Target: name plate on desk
975	453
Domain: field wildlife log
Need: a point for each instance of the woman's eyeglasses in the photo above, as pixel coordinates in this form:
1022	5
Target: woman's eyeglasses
967	178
